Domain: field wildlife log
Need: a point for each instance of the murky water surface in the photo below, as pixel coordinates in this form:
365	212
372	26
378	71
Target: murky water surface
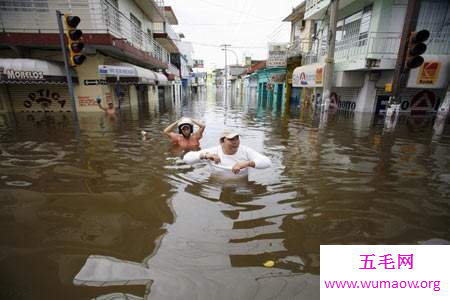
165	230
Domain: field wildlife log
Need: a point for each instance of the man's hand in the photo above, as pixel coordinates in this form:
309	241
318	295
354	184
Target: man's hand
239	166
212	157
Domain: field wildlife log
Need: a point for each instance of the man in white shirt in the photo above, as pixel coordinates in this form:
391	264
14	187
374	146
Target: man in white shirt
230	155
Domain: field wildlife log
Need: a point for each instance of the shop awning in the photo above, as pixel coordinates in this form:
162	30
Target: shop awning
31	71
162	79
308	76
128	71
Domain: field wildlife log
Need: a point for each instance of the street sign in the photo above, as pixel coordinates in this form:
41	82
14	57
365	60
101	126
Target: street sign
117	71
95	82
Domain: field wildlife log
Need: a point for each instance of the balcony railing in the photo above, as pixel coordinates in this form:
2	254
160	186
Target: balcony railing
165	28
299	47
315	6
373	45
377	45
385	45
122	27
96	17
160	3
315	55
173	69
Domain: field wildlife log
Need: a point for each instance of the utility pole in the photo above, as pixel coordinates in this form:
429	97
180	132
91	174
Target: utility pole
66	66
412	12
400	74
329	61
226	75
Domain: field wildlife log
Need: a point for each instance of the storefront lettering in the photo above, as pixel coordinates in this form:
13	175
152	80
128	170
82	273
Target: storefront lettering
44	97
308	78
342	105
421	103
24	75
86	101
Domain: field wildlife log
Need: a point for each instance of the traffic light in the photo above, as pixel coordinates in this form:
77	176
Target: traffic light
416	48
74	43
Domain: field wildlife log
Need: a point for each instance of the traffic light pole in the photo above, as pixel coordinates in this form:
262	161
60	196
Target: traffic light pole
399	79
66	66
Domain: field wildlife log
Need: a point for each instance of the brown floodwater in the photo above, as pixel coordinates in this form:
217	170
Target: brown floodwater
156	228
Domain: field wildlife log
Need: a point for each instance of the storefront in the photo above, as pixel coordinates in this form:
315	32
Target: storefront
425	89
129	83
33	85
307	85
271	85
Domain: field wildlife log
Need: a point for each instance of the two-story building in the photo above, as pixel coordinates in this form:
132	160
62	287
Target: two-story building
125	54
165	35
300	44
272	79
368	37
187	51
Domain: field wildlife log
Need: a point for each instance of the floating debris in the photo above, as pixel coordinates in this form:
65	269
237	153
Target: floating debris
18	183
269	264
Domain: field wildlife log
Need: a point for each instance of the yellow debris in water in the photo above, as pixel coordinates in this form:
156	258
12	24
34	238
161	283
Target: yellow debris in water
269	264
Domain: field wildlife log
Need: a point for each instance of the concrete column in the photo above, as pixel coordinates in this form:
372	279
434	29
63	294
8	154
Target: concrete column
367	95
133	97
5	101
149	97
86	95
156	97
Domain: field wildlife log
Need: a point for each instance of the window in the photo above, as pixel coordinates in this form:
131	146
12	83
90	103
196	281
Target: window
136	32
365	25
24	5
354	29
150	38
114	14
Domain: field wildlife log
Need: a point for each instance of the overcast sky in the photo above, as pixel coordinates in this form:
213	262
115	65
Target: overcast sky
248	25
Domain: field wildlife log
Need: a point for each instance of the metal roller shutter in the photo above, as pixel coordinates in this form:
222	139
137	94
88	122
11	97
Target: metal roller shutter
124	95
413	100
39	98
347	98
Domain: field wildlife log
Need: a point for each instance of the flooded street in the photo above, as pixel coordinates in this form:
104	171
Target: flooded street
161	229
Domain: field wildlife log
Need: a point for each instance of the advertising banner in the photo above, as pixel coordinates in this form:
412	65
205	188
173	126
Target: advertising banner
277	55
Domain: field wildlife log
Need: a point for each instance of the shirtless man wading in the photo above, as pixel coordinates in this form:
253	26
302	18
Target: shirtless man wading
186	137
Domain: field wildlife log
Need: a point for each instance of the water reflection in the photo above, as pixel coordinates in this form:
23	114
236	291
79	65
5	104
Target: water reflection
111	200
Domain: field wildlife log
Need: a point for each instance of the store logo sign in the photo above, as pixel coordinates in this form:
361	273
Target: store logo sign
429	72
24	75
303	79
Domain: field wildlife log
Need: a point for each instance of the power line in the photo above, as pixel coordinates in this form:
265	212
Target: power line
228	24
235	10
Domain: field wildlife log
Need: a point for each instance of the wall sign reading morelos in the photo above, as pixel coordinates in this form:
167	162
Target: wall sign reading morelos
24	75
11	74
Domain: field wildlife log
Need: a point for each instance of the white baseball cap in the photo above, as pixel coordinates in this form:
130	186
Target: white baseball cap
228	133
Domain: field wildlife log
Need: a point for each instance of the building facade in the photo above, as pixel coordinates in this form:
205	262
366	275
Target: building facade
368	37
128	55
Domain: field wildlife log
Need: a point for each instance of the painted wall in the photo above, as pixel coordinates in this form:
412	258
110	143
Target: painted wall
390	16
86	95
127	7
